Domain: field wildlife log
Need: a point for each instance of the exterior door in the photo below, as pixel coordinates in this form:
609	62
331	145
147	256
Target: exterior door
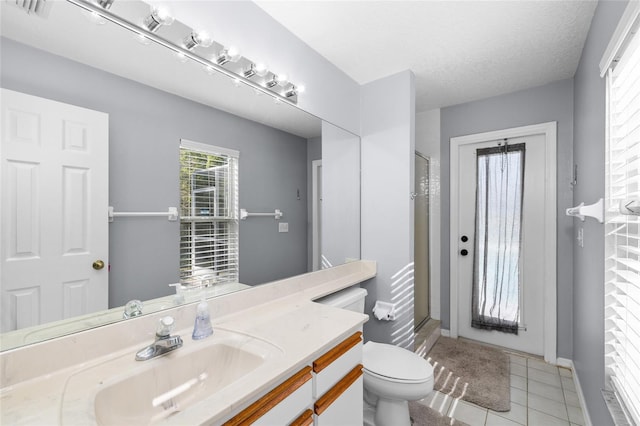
525	261
53	213
421	241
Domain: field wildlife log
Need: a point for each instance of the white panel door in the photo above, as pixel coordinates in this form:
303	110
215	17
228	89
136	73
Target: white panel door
531	298
53	210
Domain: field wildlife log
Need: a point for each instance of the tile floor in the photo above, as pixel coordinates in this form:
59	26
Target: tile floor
541	395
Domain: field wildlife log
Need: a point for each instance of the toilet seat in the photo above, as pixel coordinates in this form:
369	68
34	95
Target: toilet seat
395	364
393	379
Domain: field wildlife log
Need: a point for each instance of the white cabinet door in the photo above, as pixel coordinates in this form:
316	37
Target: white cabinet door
53	210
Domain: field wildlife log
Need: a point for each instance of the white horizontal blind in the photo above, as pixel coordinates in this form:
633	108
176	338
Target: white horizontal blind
622	238
208	215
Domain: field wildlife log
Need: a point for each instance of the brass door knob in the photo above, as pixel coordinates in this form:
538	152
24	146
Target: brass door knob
98	264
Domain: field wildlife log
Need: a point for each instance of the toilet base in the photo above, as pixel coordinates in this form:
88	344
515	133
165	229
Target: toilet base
392	413
369	414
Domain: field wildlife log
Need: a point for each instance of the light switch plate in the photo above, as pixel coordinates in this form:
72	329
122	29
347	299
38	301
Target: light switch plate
283	227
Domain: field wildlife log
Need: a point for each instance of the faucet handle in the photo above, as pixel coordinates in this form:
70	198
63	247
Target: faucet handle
133	308
165	326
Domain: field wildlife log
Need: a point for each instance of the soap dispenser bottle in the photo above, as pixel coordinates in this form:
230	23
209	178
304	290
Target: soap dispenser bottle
202	327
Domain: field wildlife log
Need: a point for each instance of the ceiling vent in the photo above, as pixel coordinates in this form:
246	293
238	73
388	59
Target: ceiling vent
40	8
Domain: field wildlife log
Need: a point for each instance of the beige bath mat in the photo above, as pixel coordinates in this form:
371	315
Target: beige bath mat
472	372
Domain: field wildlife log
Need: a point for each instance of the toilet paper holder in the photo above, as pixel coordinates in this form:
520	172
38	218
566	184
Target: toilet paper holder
384	311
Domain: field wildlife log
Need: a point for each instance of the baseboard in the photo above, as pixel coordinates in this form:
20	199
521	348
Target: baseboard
564	362
567	363
445	333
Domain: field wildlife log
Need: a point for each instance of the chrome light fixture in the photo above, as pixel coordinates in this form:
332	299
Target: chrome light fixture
197	39
291	91
228	61
261	69
230	54
105	4
282	79
250	72
272	83
158	17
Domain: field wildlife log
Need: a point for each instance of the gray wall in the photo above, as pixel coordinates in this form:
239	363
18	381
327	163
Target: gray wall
588	262
388	145
340	195
552	102
331	94
145	127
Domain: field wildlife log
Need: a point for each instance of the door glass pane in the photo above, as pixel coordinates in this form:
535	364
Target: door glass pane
497	275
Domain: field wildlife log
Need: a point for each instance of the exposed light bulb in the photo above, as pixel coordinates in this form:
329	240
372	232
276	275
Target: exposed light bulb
197	39
236	82
159	16
234	53
230	54
282	79
261	69
301	88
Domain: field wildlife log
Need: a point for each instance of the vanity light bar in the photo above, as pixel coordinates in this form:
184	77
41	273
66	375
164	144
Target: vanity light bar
288	95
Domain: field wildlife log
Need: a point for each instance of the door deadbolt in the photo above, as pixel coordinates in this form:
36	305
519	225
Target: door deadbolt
464	252
464	238
98	264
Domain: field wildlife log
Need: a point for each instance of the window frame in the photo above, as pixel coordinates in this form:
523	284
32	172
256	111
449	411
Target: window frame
619	229
192	276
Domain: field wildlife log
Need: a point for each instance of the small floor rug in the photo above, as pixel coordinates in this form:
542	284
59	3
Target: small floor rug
472	372
421	415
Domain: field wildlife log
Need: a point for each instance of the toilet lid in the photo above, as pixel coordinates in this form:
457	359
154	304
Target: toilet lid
395	362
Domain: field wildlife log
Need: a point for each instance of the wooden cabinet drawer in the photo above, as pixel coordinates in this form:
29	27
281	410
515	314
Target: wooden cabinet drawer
342	404
331	367
305	419
280	406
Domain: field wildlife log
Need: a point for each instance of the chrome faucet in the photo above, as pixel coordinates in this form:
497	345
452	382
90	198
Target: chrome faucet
164	343
133	308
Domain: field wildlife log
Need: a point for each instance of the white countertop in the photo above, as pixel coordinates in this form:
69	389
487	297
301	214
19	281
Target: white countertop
45	383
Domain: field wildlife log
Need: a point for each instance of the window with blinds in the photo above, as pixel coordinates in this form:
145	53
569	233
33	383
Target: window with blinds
208	214
622	238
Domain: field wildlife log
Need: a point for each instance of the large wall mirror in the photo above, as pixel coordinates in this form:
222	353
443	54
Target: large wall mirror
154	100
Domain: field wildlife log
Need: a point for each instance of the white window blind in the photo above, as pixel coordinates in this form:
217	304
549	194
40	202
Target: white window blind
622	238
208	214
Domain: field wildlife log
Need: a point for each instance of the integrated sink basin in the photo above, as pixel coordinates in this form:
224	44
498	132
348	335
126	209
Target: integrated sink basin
153	391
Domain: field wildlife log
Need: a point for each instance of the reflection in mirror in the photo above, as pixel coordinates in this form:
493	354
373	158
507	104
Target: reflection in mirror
152	101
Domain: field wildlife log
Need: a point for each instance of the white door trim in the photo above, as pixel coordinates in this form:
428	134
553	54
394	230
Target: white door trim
316	226
550	211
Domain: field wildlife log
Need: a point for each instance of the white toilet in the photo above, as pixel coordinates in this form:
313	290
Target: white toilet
393	376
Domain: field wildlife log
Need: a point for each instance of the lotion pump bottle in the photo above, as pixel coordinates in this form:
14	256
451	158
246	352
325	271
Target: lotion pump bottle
202	327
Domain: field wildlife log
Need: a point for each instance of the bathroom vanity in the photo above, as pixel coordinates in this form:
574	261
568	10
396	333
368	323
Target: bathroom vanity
275	357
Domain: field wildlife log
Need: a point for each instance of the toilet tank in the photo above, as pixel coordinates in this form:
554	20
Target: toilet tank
351	298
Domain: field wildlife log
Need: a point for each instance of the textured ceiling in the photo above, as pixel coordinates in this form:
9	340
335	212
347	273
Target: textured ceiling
459	50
